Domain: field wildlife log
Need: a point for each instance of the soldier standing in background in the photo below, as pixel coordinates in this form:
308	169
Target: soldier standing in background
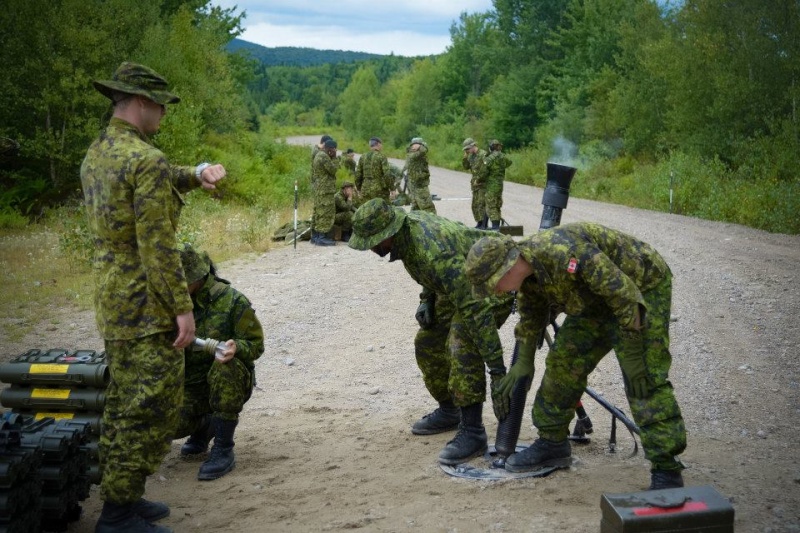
323	185
418	175
474	160
616	291
319	147
496	164
141	301
216	388
373	176
345	207
347	162
457	340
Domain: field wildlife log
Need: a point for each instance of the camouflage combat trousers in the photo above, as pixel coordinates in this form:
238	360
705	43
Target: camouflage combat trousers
223	393
421	197
451	366
344	219
478	203
141	411
494	200
580	345
324	208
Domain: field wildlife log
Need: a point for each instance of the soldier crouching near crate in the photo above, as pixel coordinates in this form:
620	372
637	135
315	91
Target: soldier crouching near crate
616	292
216	388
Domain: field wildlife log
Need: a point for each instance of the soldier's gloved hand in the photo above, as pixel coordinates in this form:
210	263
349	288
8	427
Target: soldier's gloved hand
426	314
522	368
631	355
501	403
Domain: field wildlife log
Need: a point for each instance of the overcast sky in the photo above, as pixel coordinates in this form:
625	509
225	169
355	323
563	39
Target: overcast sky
402	27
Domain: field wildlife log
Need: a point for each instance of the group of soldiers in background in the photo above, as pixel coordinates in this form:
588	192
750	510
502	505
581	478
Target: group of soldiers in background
488	174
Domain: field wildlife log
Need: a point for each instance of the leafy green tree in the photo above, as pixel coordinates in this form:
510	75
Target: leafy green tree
359	106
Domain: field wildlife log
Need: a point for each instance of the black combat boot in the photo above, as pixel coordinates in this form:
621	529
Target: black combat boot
495	225
221	459
122	518
470	441
197	442
480	225
665	479
542	453
346	234
151	511
320	239
445	418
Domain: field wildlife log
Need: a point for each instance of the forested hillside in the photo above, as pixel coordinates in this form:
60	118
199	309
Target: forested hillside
641	95
296	56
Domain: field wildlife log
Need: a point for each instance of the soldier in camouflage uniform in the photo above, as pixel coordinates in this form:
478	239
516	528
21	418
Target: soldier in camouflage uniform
323	185
317	148
143	310
373	175
474	160
345	207
616	291
458	333
419	177
496	165
347	162
216	388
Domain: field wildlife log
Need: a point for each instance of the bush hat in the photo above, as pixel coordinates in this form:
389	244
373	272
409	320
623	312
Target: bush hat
196	265
489	259
133	78
469	142
374	222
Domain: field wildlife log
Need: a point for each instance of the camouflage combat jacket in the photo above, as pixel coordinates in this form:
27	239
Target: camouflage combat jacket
373	176
133	201
496	164
222	313
417	166
342	203
476	164
585	269
323	174
433	250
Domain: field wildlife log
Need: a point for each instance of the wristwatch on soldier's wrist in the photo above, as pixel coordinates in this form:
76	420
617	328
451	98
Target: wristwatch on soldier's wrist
198	172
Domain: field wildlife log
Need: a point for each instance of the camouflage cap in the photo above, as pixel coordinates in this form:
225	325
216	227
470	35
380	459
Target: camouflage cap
488	261
196	265
374	222
347	184
133	78
469	142
495	142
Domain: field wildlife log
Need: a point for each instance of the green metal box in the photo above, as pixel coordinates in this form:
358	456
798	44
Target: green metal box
695	509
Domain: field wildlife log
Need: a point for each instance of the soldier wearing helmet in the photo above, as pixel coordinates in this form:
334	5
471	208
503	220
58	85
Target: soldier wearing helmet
496	164
418	175
474	161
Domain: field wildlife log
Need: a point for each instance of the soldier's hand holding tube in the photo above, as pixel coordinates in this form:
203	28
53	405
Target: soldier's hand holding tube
229	351
631	355
522	368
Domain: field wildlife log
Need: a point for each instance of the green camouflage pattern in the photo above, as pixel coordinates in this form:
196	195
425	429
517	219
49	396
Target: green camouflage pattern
196	265
599	277
133	201
348	163
344	211
222	313
133	78
475	163
488	261
373	177
496	164
419	177
141	412
465	337
374	222
323	186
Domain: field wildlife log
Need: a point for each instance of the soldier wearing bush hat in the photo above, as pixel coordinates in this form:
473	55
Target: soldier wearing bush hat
457	340
616	292
418	175
142	306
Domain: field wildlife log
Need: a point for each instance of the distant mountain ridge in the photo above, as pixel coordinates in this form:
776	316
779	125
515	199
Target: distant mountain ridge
297	56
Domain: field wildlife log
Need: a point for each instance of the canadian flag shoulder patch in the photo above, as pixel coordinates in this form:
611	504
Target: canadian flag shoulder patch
572	267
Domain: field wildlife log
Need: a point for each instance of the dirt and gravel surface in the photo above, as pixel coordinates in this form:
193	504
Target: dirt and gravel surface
324	444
